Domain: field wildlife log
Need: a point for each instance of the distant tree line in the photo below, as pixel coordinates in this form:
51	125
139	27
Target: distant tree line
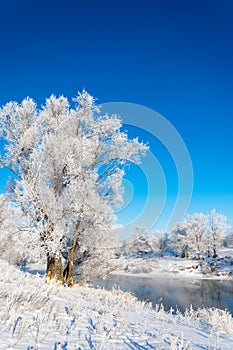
197	236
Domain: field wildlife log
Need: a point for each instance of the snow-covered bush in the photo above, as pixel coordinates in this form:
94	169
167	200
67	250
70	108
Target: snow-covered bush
217	319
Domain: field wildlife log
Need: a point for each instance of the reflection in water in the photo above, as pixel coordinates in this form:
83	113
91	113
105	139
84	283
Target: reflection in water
176	292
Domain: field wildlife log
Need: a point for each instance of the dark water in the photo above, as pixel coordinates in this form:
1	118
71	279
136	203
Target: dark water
176	292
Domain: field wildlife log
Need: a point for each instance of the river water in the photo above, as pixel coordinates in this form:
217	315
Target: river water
175	292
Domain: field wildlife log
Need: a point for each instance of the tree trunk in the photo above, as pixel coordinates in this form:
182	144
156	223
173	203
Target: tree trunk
68	273
215	255
183	253
71	267
54	269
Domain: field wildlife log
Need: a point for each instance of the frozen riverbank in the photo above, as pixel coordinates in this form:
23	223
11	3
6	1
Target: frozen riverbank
35	315
150	265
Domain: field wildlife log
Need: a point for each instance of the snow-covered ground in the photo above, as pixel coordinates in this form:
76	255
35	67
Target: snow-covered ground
35	315
149	265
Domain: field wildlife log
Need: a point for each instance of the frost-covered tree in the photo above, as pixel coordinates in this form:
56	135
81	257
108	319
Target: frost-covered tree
10	217
216	226
140	241
200	233
69	163
180	240
160	242
195	227
228	240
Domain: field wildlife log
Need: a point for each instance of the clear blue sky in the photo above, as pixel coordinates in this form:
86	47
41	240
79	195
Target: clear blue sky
175	57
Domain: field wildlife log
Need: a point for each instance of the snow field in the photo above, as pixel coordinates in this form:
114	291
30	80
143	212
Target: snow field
35	315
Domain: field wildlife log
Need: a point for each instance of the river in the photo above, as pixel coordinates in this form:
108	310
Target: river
175	292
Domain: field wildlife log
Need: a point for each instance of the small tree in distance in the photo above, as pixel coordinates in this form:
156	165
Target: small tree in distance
140	240
160	242
194	225
69	164
180	240
216	227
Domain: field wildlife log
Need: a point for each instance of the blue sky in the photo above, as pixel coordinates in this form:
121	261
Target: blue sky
175	57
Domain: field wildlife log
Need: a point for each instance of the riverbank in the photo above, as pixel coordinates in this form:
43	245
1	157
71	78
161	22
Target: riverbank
38	316
220	268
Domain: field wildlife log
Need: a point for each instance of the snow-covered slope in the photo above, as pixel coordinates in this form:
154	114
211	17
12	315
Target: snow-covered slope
35	315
